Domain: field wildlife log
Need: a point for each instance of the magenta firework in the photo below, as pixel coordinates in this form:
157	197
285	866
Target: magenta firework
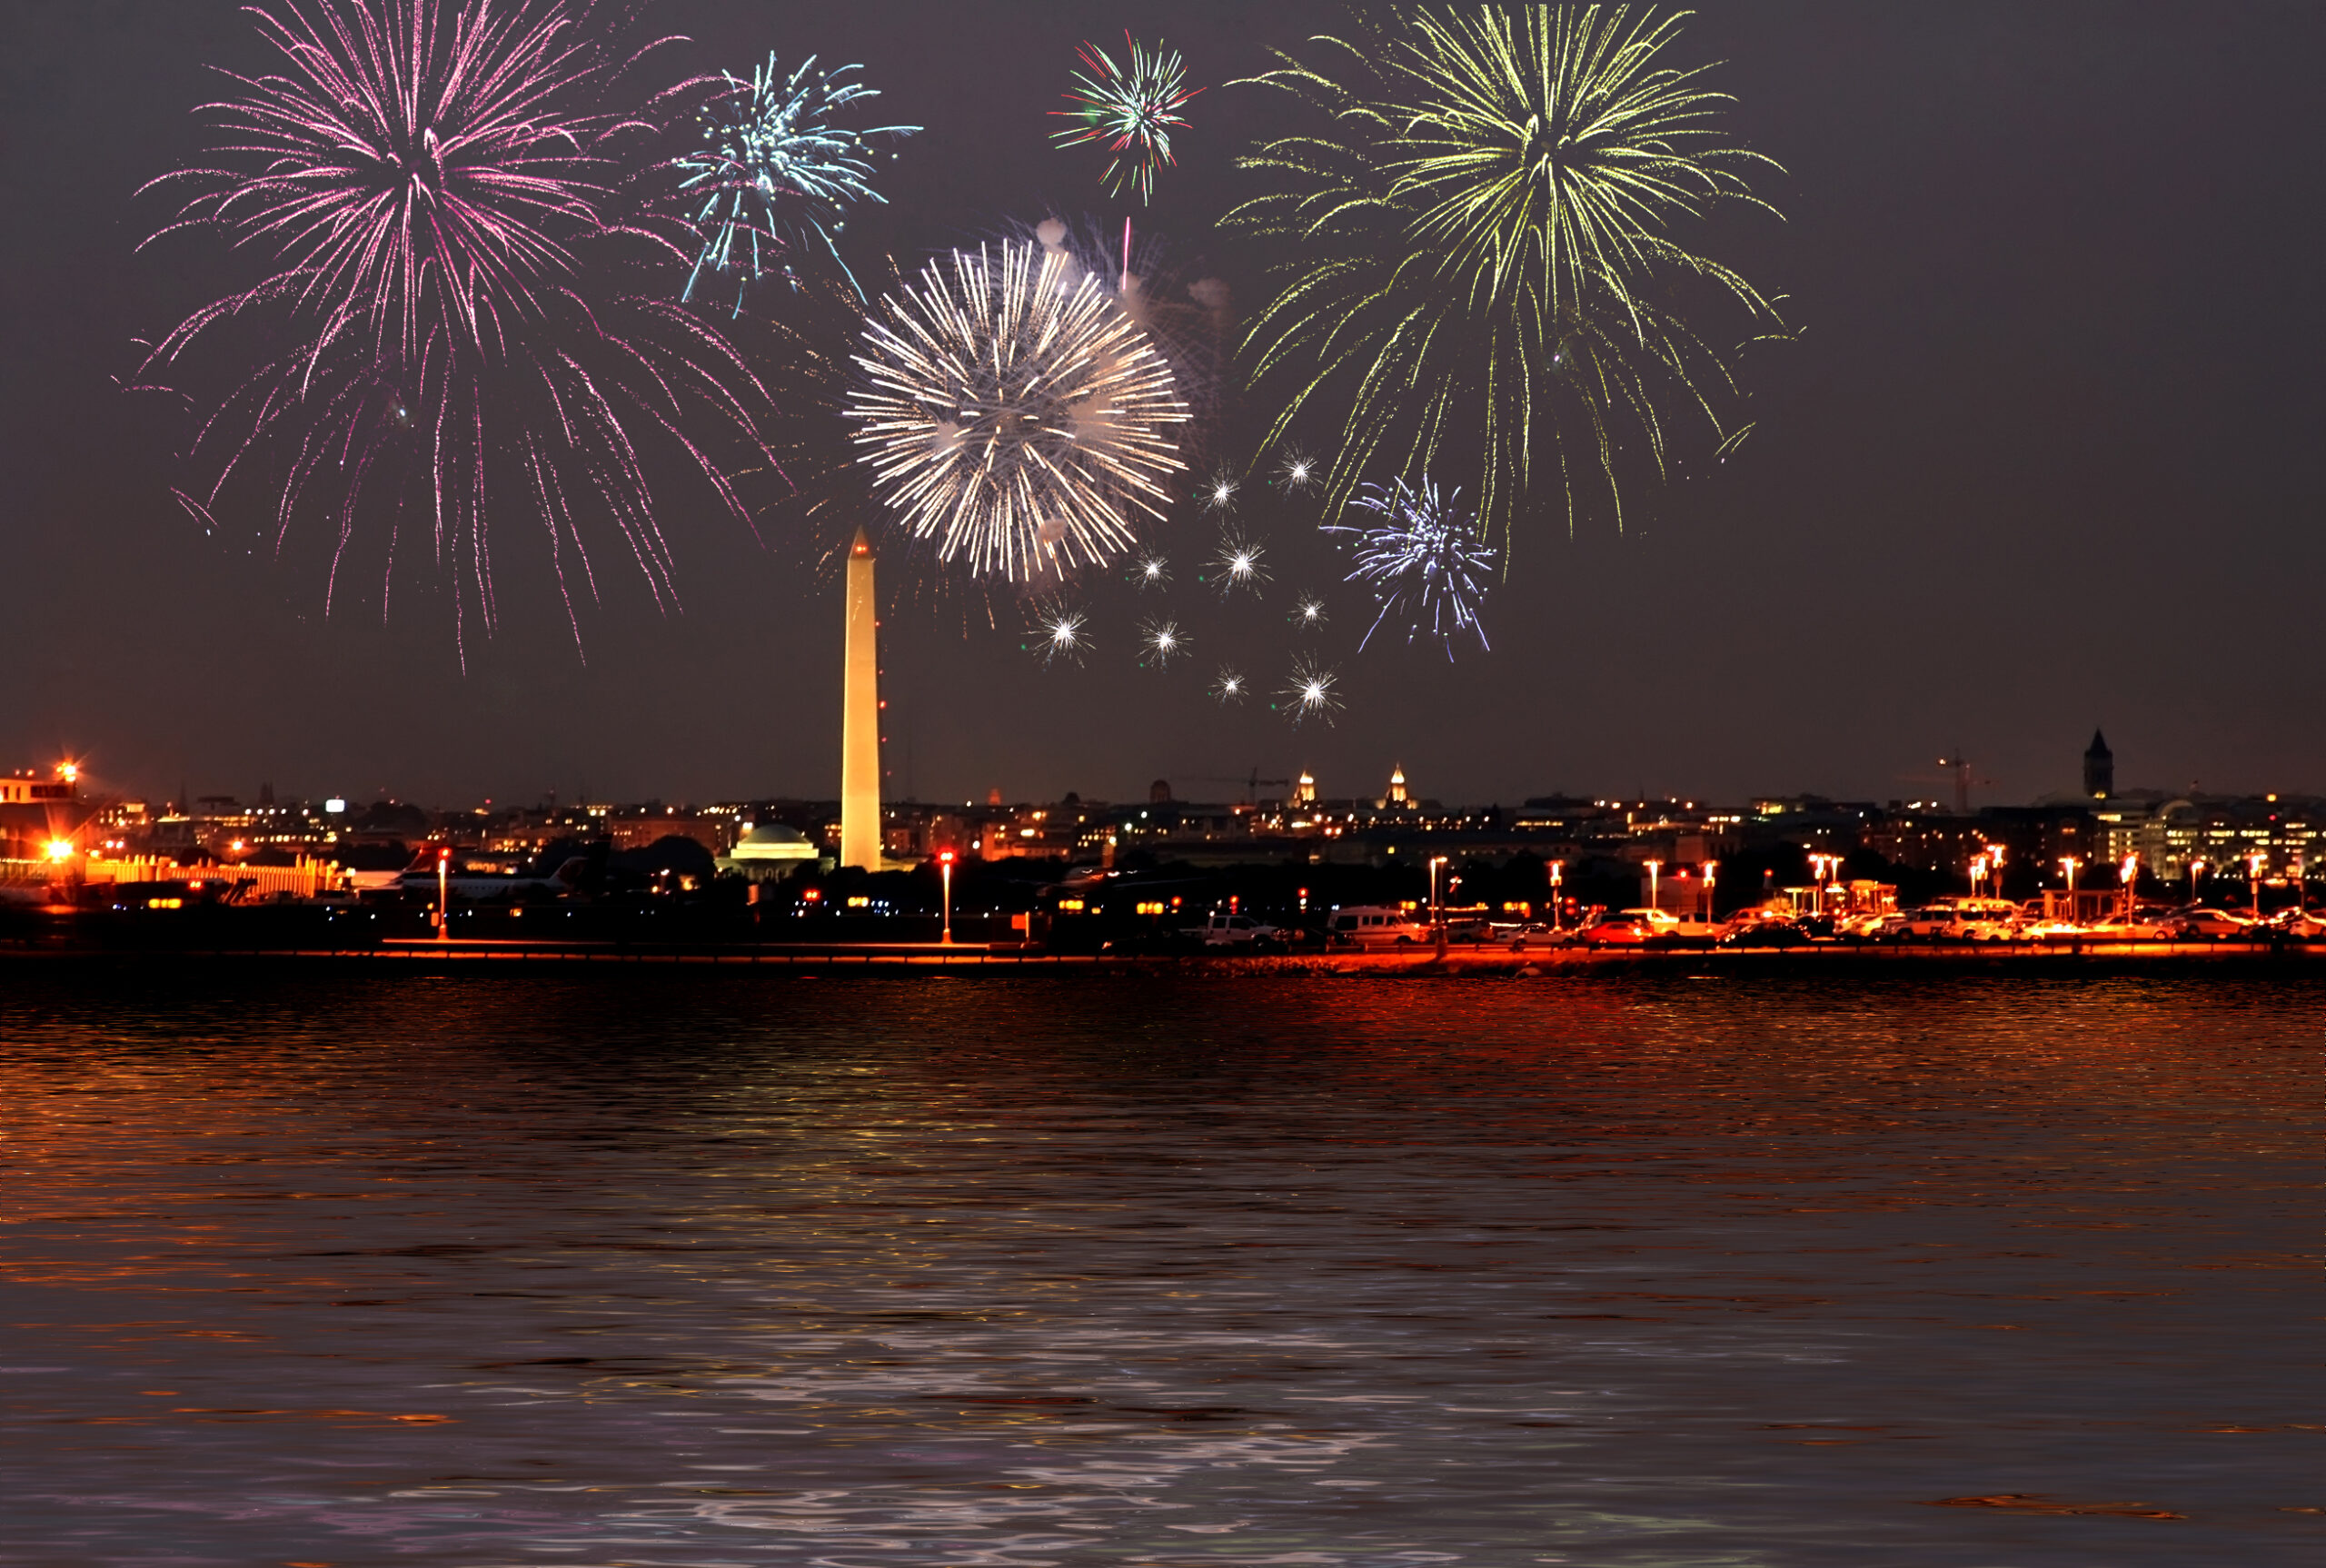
455	318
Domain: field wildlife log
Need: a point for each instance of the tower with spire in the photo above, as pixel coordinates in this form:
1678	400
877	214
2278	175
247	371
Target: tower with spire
2099	768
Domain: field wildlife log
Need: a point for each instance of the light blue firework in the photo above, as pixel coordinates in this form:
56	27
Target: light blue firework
1425	563
775	175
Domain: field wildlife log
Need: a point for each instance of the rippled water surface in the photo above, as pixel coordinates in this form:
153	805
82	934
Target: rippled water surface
702	1269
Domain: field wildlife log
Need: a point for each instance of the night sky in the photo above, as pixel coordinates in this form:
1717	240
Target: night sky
2046	455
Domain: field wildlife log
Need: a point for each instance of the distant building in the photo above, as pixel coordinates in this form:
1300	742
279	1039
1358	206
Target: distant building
2099	768
1305	792
1396	784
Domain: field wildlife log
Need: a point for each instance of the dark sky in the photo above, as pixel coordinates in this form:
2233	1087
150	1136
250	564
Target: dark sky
2045	456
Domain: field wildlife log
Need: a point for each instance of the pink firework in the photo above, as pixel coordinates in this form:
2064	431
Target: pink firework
454	318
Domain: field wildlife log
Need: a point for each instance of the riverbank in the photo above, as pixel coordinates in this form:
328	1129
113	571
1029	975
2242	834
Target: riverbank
428	955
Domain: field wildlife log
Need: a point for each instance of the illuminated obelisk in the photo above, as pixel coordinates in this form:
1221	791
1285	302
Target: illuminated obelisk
860	720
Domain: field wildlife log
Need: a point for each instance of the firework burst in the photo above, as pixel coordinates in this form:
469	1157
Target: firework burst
453	314
1240	563
1307	613
1488	263
1296	471
1229	687
1060	634
1132	109
1013	415
775	174
1219	493
1150	570
1161	641
1425	562
1311	693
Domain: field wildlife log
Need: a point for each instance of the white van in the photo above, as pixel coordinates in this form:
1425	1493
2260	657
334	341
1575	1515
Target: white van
1378	926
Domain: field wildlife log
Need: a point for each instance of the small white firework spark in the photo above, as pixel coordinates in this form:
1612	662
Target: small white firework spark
1059	635
1219	493
1309	615
1310	694
1231	687
1163	642
1238	564
1296	471
1150	570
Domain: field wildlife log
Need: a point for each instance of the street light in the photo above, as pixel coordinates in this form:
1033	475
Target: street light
2195	866
2129	874
945	871
2254	864
2068	863
1437	906
1712	878
1558	913
1653	868
443	895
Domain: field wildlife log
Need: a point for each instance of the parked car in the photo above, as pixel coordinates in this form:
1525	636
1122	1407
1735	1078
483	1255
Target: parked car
1378	926
1956	920
1219	930
2207	925
2300	925
1779	931
1624	928
1539	934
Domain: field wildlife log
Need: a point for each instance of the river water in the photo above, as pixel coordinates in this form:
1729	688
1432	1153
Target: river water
679	1268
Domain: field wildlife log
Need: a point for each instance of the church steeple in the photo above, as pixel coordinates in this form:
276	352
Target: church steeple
2099	768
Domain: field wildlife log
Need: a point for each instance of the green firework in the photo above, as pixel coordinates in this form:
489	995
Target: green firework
1485	242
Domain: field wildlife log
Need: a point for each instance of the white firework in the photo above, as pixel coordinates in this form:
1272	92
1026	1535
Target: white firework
1425	563
1238	564
1012	413
1150	570
1059	635
1296	471
1310	692
1162	641
1229	687
1219	493
1309	615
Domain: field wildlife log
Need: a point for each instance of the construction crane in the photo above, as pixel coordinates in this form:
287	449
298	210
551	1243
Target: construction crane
1251	782
1959	769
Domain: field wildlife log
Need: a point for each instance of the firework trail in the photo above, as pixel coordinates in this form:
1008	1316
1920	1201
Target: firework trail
775	174
1310	692
1484	262
452	313
1013	415
1133	110
1425	562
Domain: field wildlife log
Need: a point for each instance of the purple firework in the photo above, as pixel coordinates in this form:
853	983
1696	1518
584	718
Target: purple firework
1425	562
453	312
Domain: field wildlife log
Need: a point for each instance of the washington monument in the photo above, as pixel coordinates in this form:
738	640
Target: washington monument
859	723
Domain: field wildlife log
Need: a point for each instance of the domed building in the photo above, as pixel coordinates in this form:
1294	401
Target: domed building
769	852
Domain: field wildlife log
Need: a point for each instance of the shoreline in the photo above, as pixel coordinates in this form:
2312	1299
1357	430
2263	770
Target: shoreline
428	956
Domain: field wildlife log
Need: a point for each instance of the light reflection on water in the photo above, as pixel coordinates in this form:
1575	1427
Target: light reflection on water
700	1269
